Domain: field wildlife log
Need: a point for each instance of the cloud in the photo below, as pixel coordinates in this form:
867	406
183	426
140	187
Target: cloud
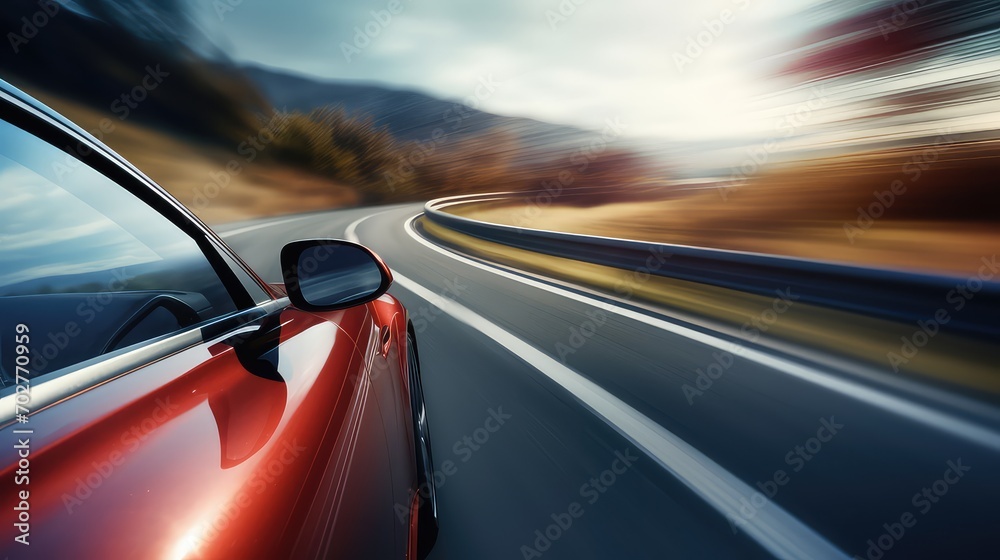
569	61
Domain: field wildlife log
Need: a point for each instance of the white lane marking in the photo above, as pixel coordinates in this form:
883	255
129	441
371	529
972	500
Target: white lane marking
348	233
264	225
926	415
351	232
775	529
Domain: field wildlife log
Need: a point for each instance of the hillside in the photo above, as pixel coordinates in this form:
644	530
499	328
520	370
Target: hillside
408	115
95	58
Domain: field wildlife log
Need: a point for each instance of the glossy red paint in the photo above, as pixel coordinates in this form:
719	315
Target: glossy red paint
291	440
291	436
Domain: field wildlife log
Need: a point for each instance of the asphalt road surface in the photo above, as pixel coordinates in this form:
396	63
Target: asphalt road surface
577	426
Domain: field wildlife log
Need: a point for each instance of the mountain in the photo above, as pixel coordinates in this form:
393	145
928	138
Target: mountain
144	70
100	53
408	115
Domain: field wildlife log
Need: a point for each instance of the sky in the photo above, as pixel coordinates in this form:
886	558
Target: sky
666	70
577	62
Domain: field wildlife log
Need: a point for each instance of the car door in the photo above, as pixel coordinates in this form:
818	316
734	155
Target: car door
156	401
389	384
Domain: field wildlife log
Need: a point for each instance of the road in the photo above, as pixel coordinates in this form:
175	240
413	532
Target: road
628	433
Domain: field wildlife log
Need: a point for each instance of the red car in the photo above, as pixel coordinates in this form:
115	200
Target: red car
160	401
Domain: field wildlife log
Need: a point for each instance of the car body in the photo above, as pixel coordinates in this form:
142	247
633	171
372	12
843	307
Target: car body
160	401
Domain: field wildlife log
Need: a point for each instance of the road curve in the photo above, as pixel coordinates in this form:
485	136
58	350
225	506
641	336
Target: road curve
577	426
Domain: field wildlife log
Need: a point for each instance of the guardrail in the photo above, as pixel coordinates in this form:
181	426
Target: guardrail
889	294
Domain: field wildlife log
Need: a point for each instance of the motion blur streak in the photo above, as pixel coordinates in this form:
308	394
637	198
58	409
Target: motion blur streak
895	71
777	531
932	418
627	381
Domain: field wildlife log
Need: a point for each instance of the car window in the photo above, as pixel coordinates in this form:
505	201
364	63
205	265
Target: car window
87	266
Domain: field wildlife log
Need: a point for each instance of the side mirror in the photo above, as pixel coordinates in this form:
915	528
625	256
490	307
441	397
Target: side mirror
329	274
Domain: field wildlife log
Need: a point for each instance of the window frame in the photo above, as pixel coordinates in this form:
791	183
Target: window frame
56	386
61	135
253	301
